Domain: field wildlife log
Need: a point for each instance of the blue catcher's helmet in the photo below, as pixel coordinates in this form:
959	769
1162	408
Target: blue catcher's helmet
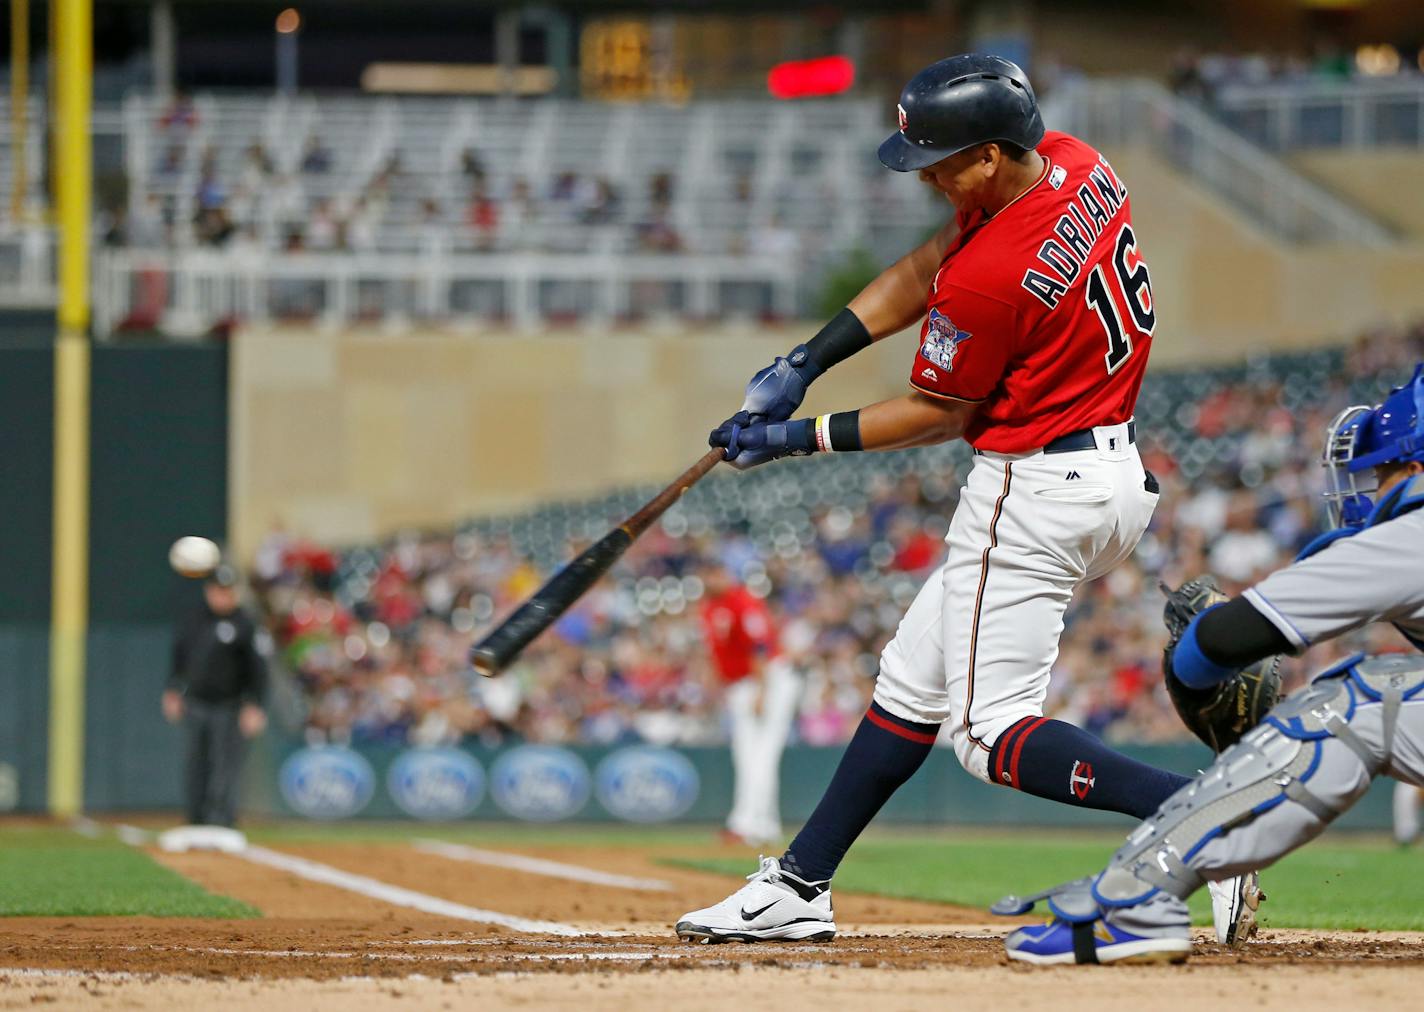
1363	437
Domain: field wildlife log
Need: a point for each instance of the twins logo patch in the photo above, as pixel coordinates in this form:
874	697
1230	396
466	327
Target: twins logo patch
942	340
1081	779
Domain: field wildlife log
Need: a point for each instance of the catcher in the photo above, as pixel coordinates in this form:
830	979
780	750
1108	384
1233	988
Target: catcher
1316	753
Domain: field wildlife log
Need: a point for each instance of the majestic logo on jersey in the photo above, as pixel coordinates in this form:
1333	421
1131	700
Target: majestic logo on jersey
929	374
942	341
1081	780
904	120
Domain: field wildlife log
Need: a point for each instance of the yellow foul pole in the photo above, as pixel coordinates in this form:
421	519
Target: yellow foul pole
73	86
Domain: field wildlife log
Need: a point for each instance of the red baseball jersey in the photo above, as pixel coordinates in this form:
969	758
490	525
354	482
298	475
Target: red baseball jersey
1043	312
738	630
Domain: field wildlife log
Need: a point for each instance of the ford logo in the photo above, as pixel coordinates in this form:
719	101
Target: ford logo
326	782
646	784
436	783
539	783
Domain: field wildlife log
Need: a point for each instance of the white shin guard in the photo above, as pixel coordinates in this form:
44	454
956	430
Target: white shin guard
1279	787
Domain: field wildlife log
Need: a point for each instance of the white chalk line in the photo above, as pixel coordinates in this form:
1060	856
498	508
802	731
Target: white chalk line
375	889
538	866
363	885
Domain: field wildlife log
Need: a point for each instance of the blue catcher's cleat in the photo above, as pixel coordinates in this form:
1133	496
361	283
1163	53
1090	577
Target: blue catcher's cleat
1094	941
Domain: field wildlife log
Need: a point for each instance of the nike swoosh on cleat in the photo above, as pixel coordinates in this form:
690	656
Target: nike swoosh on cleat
746	916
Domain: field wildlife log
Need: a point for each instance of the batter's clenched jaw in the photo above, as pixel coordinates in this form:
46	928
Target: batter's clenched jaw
983	177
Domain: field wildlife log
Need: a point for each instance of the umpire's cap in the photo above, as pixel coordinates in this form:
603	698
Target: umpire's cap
225	575
957	103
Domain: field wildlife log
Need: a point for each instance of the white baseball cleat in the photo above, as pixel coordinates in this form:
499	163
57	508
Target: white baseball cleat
1233	908
774	905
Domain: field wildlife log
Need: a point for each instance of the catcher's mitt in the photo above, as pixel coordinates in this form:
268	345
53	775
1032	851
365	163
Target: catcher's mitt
1221	714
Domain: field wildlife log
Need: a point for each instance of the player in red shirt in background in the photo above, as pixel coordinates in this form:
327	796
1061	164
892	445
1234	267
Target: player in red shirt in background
1037	317
762	694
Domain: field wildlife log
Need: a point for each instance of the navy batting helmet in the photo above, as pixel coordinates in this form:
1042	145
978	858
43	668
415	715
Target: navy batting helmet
960	102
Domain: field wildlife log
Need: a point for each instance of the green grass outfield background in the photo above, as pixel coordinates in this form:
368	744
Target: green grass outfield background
1345	881
57	873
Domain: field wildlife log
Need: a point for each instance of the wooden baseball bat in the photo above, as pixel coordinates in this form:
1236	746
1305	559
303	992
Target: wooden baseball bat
493	653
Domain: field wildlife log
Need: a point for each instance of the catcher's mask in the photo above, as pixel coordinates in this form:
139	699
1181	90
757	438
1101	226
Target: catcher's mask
1362	438
1347	497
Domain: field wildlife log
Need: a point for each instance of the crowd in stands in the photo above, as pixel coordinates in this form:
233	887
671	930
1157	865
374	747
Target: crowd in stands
377	637
490	216
198	196
1200	75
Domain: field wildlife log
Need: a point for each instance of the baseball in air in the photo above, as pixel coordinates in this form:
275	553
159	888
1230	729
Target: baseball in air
193	556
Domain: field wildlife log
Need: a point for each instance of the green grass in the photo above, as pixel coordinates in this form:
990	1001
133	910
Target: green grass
57	873
1342	883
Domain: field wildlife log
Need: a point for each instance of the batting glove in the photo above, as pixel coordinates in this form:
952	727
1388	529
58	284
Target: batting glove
746	442
776	392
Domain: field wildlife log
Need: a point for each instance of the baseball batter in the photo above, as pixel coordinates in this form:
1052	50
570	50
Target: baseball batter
1316	753
1037	317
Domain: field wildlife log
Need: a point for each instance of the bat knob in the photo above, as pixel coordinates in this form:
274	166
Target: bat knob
483	660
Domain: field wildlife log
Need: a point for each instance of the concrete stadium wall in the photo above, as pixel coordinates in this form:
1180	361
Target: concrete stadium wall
1383	181
350	436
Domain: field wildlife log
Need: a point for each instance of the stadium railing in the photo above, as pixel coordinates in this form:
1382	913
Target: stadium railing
526	290
1326	114
1255	181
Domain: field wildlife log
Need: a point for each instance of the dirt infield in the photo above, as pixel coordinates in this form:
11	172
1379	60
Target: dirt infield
318	945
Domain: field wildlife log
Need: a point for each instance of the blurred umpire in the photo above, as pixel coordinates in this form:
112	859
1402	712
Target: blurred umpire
217	688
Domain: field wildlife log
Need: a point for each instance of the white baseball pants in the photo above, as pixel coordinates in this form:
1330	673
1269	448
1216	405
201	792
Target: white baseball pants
758	740
975	650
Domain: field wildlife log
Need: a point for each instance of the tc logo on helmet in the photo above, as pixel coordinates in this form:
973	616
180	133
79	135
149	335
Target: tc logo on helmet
904	119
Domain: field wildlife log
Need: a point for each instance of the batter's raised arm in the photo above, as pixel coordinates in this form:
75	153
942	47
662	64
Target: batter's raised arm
897	297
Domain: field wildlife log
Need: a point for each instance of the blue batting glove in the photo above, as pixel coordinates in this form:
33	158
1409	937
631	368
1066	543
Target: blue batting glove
777	391
746	443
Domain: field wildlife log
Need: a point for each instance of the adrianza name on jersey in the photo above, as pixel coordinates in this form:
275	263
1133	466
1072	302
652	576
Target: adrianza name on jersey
1066	252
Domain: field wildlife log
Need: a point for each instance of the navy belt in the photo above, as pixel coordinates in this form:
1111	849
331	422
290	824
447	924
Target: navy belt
1083	439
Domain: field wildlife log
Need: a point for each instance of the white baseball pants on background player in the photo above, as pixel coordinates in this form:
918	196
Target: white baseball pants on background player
1406	813
758	740
975	650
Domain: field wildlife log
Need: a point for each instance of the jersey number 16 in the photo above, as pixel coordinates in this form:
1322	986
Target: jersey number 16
1135	284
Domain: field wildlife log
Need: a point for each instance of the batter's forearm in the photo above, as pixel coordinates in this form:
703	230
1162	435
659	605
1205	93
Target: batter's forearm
897	297
913	420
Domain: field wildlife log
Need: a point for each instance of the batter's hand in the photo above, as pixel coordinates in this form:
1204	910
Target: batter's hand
746	442
775	393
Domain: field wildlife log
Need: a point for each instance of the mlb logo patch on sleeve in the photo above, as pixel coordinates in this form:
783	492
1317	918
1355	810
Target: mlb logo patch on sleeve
942	341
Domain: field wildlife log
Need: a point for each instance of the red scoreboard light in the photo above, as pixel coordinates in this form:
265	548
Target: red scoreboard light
828	75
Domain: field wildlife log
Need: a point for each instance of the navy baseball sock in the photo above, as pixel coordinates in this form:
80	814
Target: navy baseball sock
1058	761
884	753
